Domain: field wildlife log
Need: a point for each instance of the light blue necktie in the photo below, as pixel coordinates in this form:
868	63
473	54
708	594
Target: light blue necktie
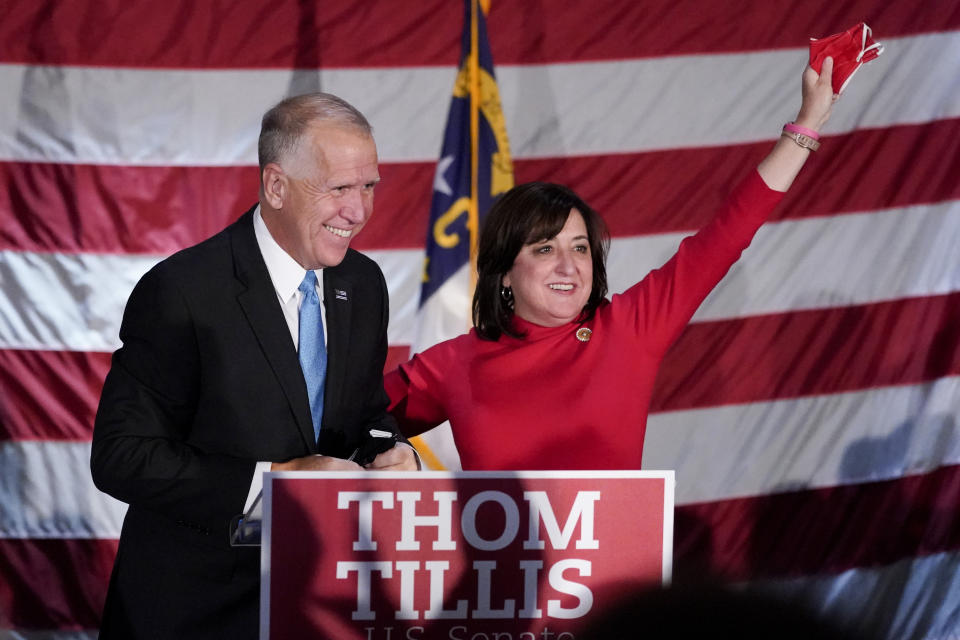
313	351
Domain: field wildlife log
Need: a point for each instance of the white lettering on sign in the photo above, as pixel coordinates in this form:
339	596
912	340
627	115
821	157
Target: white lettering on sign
364	571
437	569
440	516
561	584
484	610
539	510
581	511
406	569
468	521
364	500
442	521
531	570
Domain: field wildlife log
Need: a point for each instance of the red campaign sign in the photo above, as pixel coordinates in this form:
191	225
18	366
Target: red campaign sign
458	556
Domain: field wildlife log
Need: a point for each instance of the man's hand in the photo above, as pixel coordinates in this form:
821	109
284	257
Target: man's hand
399	458
316	463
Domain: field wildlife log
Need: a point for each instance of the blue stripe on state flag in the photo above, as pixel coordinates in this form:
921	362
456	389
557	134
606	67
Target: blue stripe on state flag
448	235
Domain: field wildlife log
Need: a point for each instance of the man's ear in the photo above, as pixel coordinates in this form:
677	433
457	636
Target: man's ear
275	186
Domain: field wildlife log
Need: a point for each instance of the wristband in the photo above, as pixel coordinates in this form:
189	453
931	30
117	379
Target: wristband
801	139
795	128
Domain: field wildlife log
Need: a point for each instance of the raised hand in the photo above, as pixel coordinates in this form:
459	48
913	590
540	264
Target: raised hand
818	96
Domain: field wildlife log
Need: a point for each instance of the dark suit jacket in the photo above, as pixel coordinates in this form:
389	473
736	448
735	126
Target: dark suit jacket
207	382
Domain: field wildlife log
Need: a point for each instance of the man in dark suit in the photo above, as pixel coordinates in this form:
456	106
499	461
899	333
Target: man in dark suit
208	390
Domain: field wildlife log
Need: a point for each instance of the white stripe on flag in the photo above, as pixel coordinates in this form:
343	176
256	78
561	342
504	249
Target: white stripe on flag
835	261
446	314
75	301
210	117
48	493
806	443
65	301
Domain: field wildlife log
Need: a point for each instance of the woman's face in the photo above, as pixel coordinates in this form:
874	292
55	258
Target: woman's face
552	280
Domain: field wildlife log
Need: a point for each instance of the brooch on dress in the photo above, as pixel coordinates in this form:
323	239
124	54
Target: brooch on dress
583	334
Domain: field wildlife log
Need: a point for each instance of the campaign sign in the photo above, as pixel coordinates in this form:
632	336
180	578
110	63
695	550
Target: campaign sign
458	556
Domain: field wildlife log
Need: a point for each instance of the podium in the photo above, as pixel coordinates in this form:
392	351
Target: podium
465	555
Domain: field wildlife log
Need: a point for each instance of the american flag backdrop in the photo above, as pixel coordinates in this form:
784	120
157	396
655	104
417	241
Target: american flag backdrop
810	410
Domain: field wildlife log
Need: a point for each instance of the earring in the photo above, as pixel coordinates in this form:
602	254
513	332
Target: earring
507	294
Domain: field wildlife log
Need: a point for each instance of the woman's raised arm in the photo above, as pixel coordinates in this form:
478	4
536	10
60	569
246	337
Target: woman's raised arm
787	158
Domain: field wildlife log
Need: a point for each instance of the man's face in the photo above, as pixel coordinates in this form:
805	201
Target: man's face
331	177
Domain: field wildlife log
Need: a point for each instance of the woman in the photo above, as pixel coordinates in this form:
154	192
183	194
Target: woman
554	376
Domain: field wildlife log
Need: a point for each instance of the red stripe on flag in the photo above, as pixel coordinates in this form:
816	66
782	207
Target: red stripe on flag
680	189
54	583
804	353
819	531
50	395
118	209
205	35
130	209
122	209
744	360
53	395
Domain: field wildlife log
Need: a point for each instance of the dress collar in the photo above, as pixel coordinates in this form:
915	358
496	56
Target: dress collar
533	331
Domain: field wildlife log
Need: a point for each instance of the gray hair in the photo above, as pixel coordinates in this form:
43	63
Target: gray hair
284	124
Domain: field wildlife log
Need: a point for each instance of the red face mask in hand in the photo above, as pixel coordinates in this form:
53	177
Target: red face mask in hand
850	50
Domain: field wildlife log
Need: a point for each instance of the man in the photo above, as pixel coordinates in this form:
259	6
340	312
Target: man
222	375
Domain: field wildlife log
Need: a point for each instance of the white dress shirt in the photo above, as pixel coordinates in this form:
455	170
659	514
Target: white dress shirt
286	275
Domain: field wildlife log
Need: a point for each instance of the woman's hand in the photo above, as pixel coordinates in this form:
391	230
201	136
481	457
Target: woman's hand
783	164
818	97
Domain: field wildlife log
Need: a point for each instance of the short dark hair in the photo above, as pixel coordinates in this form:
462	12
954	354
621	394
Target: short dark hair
284	124
527	213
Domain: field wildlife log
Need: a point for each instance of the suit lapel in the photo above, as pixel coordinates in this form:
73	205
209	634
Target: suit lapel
262	310
338	306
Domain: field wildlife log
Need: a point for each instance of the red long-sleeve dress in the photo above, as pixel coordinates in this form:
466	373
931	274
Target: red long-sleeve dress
552	401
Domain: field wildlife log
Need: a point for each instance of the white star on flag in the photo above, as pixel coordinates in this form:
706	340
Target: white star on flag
439	181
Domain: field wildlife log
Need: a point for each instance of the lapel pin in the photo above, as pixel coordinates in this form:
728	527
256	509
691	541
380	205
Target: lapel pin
583	334
340	294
